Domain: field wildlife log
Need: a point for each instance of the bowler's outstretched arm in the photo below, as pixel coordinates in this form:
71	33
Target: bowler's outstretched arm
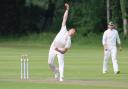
65	15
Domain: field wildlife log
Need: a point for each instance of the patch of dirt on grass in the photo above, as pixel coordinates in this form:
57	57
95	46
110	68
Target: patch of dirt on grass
104	83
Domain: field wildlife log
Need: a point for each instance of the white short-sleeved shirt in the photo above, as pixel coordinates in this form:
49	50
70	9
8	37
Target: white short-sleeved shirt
111	37
62	39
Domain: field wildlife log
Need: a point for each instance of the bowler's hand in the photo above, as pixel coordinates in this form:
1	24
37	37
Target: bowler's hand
67	6
56	49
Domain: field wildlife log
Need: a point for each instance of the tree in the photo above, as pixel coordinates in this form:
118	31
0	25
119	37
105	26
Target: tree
124	15
108	11
28	3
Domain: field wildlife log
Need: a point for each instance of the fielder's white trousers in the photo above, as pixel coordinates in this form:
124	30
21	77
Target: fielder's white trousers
111	51
52	55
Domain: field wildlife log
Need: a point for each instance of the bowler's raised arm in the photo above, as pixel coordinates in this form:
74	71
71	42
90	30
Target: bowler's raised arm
65	15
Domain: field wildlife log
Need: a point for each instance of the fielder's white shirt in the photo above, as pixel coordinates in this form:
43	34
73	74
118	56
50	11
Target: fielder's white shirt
62	39
111	37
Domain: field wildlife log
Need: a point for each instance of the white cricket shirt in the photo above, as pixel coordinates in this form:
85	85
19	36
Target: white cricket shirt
111	37
62	39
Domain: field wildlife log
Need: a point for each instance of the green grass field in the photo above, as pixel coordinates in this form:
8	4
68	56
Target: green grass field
83	69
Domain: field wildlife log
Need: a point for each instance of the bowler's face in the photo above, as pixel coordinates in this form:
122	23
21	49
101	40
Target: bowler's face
72	32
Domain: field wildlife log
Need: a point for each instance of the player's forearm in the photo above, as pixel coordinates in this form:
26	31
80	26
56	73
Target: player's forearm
62	51
104	41
65	15
119	44
118	40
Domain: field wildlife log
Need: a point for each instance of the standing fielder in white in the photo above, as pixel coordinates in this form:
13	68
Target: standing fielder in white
110	41
60	46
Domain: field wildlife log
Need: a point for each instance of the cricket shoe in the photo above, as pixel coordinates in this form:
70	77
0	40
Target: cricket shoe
117	72
56	76
61	79
104	72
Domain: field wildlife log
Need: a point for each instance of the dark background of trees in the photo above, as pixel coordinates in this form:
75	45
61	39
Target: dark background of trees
18	18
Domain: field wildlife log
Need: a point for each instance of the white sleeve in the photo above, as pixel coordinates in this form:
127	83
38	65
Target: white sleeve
104	38
63	29
118	38
68	43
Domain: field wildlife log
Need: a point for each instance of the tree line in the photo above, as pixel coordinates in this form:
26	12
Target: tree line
24	17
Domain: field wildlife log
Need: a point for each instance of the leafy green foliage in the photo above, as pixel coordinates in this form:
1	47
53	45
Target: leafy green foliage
88	16
23	17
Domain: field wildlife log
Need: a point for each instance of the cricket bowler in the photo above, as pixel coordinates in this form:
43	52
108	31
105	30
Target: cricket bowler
60	45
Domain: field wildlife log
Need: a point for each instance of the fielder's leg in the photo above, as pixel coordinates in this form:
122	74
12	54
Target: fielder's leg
114	60
105	61
61	65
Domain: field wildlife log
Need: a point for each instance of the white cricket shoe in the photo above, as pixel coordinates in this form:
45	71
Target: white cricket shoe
56	76
104	72
117	72
61	79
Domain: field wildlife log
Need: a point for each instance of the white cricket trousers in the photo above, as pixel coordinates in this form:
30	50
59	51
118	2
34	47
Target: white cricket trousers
111	51
52	55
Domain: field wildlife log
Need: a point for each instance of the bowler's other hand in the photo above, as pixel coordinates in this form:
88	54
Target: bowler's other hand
59	50
56	49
